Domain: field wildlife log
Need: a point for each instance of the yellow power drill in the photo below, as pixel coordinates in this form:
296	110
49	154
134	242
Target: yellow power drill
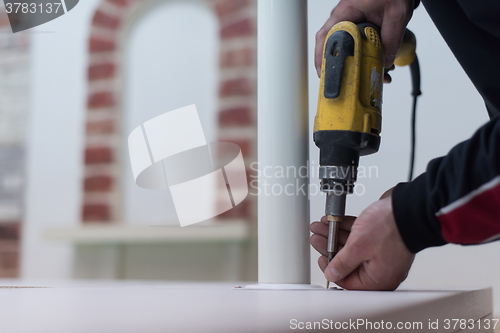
348	119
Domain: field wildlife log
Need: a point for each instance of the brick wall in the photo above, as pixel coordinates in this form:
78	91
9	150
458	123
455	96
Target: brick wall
104	139
14	89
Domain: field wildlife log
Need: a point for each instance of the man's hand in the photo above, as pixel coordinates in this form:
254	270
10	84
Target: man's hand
391	16
372	254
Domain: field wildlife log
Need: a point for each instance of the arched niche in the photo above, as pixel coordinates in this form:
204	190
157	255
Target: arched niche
170	60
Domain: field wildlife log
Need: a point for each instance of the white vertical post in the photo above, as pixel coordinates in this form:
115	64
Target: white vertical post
282	142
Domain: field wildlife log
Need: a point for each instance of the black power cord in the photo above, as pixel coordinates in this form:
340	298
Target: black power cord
415	80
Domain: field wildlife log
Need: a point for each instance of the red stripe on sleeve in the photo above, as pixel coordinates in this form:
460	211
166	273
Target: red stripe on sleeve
475	221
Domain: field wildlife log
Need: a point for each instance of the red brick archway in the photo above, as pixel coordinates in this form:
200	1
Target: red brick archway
104	138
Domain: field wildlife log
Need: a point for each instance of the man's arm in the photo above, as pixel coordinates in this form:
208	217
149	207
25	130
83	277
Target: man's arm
457	199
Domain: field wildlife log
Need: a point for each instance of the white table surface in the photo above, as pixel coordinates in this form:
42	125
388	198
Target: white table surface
140	306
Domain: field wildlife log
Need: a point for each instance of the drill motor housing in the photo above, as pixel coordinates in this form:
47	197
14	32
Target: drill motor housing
348	119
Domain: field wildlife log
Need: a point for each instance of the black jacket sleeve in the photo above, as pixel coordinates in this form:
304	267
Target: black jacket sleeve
457	199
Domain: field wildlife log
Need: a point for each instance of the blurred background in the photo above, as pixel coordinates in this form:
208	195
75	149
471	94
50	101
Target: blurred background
72	89
71	92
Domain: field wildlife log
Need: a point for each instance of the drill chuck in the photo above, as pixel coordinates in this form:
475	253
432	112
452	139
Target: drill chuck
337	178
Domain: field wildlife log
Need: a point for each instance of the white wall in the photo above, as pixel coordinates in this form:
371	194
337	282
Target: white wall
55	138
171	60
449	111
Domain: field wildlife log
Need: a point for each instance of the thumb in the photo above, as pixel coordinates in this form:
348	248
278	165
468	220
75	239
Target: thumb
392	31
344	263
